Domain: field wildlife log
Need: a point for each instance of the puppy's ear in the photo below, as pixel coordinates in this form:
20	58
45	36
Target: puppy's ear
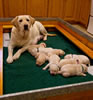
78	62
14	21
32	20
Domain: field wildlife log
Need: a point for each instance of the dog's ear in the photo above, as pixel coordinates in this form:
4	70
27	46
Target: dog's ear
32	20
14	21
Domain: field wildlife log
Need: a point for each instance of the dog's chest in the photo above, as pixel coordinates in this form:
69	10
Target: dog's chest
22	41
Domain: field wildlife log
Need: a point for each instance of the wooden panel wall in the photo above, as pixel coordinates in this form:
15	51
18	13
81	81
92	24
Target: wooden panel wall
69	10
85	11
14	7
1	8
55	8
37	8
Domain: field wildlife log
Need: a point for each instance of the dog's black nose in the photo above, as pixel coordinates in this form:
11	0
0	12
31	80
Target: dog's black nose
25	27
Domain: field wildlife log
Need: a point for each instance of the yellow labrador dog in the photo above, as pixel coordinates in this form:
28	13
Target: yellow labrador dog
26	31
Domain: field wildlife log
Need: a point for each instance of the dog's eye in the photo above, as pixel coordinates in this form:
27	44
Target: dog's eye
27	20
20	20
87	65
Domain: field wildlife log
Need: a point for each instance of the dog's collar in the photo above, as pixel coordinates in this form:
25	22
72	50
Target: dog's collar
56	65
37	49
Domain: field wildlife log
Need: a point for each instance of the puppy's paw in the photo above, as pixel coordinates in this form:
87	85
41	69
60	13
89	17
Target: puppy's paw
16	56
9	60
61	52
82	74
44	68
43	44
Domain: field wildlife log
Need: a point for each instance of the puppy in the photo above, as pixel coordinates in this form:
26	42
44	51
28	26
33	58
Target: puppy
34	49
53	64
81	58
41	53
25	31
49	50
41	58
73	70
67	61
41	48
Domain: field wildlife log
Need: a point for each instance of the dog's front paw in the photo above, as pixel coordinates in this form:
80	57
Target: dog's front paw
9	60
16	56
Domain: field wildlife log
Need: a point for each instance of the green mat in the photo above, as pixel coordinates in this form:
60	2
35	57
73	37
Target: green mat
23	74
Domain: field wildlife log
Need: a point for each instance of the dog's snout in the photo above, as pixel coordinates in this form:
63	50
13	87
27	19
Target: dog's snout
25	27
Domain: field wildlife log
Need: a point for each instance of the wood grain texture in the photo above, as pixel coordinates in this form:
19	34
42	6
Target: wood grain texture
55	8
85	11
84	95
37	8
71	10
1	60
1	8
13	8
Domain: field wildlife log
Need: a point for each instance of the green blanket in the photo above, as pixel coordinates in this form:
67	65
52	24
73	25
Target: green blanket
23	74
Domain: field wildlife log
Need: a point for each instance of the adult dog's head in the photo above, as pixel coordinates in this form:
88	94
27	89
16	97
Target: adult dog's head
23	22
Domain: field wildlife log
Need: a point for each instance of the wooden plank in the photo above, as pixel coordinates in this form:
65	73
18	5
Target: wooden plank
79	37
43	22
7	26
85	95
1	60
79	44
5	23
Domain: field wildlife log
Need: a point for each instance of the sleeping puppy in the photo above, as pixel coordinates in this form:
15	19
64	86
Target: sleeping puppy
49	50
25	31
41	48
82	59
53	64
41	58
41	53
67	61
33	49
73	70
